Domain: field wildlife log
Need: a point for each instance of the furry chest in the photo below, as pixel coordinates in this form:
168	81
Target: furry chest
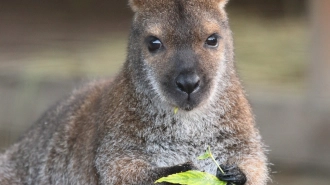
172	154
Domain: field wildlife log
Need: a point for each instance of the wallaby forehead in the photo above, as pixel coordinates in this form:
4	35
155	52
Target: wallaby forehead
179	21
177	6
179	14
162	3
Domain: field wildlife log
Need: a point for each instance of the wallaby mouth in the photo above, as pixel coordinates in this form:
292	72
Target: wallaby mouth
189	102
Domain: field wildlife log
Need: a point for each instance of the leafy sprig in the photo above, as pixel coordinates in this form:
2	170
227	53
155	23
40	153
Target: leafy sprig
194	177
208	154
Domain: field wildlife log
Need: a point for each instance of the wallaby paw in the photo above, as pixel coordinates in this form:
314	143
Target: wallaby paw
232	175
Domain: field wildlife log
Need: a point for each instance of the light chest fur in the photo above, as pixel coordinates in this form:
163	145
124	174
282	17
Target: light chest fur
175	138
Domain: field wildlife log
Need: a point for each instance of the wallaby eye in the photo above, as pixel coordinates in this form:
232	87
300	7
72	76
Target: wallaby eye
154	44
212	40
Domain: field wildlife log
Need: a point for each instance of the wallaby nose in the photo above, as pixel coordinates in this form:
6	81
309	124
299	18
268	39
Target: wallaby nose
187	83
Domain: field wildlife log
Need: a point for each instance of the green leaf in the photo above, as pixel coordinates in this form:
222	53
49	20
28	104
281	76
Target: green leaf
206	155
192	177
176	110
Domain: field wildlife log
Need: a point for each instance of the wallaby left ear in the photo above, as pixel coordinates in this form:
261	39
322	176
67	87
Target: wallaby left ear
222	3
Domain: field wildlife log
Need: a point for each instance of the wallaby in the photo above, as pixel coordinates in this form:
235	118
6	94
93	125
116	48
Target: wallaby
177	94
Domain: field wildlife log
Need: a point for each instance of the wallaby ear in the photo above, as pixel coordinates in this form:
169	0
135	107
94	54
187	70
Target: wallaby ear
222	3
135	4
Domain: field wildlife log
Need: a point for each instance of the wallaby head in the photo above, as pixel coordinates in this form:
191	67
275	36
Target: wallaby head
180	51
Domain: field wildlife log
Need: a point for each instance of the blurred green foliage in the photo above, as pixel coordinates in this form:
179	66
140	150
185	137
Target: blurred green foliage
271	53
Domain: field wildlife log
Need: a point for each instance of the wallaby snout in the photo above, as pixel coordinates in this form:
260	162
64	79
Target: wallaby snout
187	82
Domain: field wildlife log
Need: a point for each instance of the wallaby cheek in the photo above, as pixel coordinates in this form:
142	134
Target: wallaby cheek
211	63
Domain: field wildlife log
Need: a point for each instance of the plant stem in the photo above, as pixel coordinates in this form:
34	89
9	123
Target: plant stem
211	155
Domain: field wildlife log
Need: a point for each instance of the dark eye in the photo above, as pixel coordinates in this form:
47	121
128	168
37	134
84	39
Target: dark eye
154	44
212	40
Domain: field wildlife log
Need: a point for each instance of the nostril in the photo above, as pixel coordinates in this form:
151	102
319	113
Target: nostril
197	85
180	86
187	83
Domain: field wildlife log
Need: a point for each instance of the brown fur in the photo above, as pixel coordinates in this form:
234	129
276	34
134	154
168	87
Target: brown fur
125	131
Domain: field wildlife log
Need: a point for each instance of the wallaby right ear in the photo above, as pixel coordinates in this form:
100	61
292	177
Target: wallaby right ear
136	4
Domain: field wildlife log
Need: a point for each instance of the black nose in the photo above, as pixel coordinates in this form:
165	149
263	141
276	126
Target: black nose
187	83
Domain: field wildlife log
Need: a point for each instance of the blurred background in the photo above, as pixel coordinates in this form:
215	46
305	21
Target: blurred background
47	48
